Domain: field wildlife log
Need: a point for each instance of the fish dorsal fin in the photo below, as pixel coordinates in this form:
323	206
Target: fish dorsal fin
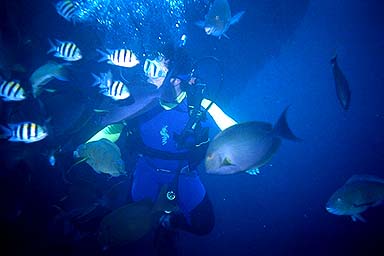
364	177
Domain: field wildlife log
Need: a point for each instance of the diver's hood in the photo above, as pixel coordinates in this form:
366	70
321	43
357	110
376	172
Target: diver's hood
167	92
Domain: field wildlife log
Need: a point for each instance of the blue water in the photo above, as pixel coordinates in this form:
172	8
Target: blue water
277	55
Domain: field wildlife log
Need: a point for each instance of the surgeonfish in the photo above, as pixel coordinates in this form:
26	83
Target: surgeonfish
66	9
358	194
246	146
11	91
114	89
26	132
119	57
218	19
44	74
103	156
342	87
65	50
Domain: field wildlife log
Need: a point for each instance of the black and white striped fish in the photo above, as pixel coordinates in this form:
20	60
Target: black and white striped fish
26	132
120	57
154	69
65	50
117	90
67	10
11	91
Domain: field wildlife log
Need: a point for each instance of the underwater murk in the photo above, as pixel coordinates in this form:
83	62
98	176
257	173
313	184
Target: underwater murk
300	174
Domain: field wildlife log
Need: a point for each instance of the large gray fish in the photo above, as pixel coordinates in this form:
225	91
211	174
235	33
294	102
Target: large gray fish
342	88
358	194
246	146
218	19
44	74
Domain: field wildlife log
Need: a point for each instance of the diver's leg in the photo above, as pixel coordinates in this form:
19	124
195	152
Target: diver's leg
145	182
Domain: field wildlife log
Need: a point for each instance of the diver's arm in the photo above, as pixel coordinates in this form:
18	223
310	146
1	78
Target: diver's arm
222	120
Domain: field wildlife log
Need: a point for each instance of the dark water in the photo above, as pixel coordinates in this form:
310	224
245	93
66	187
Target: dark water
277	55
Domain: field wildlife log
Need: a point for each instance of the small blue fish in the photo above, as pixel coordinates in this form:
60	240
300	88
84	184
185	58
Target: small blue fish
26	132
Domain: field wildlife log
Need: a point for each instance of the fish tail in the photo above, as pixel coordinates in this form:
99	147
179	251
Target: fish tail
334	59
97	79
282	129
104	55
5	132
53	46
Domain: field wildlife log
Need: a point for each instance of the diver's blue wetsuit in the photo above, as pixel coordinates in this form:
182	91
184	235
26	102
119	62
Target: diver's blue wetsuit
157	129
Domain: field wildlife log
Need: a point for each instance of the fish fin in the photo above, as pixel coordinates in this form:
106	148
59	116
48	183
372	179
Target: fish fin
50	90
226	162
200	23
357	216
334	59
83	159
5	132
236	17
97	80
104	55
282	129
225	35
254	171
364	177
53	47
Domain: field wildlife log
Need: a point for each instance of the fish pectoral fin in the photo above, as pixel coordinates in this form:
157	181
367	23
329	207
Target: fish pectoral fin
357	216
365	204
226	162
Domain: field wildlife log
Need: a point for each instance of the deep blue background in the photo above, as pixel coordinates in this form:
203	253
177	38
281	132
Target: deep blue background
277	55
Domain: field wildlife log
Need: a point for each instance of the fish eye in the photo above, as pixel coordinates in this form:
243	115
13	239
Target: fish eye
338	200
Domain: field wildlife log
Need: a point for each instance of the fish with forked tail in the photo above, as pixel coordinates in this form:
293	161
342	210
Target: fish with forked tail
246	146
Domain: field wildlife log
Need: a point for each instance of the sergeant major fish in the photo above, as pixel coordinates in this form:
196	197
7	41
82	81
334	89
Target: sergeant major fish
44	74
246	146
358	194
119	57
11	91
67	10
115	89
26	132
218	19
342	87
65	50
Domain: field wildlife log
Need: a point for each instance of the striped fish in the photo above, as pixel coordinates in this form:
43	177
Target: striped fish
154	69
120	57
26	132
117	90
66	9
12	91
65	50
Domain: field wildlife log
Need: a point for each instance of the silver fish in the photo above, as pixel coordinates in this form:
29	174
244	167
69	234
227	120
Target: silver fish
358	194
26	132
342	87
44	74
218	19
11	91
246	146
65	50
119	57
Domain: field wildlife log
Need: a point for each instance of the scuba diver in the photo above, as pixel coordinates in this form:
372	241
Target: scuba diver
171	140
